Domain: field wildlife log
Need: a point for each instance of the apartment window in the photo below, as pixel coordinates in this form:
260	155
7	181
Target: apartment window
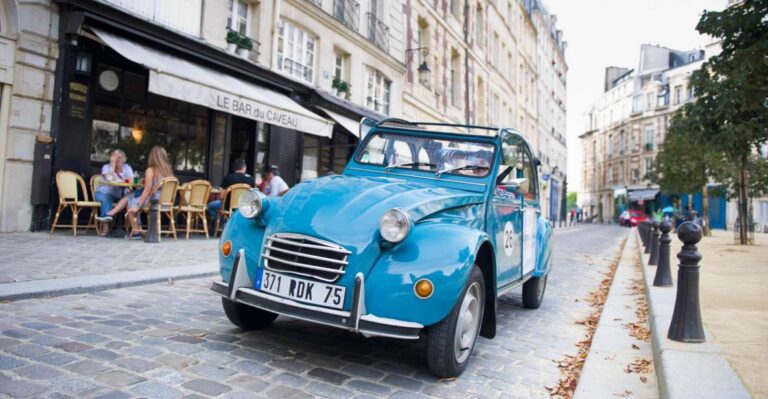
237	19
648	166
649	101
610	145
610	175
481	111
422	41
649	133
635	175
663	98
455	80
678	95
455	8
295	52
377	91
691	92
340	65
479	27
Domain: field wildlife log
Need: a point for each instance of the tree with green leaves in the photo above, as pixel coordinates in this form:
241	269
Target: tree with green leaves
732	100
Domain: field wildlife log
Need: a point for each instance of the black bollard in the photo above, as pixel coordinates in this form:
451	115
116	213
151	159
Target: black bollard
686	325
653	260
642	230
153	224
649	238
663	277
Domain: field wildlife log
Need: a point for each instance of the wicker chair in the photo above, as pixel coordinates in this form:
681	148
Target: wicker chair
195	208
230	198
165	206
67	183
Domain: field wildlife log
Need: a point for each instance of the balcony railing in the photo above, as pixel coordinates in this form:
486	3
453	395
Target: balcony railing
378	32
347	12
649	146
296	69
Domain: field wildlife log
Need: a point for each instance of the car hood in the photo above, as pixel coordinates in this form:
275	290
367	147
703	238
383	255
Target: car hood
347	209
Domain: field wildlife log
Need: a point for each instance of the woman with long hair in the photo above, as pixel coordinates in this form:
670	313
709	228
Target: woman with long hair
158	168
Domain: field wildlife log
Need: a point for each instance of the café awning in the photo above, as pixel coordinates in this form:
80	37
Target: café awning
349	124
645	195
177	78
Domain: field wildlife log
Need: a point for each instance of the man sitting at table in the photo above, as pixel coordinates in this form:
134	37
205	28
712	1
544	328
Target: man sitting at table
237	176
115	171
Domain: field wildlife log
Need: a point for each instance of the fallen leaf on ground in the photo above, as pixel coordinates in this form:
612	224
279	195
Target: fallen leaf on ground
624	394
635	347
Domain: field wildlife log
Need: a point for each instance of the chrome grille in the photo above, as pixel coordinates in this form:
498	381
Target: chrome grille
304	255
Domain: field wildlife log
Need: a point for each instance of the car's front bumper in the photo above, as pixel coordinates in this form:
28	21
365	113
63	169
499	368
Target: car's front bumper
239	289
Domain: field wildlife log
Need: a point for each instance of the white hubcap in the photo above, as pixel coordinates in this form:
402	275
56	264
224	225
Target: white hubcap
468	323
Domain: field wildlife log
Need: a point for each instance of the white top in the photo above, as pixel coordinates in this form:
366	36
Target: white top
276	186
108	174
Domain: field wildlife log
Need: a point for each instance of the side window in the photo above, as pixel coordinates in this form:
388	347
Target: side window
520	178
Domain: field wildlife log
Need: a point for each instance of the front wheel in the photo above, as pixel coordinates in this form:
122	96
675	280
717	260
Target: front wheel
533	291
247	317
451	341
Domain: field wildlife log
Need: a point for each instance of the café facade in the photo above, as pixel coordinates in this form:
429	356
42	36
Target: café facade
125	82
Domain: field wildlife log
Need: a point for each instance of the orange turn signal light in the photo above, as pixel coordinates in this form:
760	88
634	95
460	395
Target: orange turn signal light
226	248
423	289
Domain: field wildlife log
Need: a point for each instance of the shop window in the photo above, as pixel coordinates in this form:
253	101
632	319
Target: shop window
310	163
126	116
377	91
295	52
237	19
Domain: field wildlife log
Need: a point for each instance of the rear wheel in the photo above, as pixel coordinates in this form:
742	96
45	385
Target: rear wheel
533	291
247	317
451	341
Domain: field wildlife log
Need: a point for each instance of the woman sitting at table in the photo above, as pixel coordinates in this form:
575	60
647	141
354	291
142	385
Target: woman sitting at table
115	171
158	168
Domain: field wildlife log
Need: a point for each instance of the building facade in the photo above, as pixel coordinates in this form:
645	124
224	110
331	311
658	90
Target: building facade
551	118
496	63
626	126
281	82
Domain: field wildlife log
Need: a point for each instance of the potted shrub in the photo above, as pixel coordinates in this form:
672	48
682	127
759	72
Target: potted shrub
340	87
244	46
232	39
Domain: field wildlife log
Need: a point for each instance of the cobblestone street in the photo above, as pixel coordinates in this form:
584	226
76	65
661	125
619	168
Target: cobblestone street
173	340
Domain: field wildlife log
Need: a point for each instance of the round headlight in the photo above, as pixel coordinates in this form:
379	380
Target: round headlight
250	204
394	225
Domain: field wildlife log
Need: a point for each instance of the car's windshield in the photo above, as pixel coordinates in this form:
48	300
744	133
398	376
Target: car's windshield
443	155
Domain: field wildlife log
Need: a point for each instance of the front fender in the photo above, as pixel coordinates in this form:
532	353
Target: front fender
245	234
442	253
544	256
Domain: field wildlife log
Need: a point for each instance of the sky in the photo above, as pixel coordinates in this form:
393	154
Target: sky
603	33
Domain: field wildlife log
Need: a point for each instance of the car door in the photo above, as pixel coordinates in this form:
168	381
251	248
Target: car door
531	211
505	215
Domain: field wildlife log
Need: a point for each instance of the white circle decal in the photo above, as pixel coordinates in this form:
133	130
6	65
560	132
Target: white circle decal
509	238
108	80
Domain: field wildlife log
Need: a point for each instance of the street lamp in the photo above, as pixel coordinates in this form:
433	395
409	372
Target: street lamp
423	69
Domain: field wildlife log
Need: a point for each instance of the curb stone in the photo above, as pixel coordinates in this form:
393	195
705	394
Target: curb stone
101	282
684	370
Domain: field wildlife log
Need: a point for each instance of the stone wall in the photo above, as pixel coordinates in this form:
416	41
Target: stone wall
28	61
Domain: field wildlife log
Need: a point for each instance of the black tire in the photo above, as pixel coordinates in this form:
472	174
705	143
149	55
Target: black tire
247	317
441	337
533	291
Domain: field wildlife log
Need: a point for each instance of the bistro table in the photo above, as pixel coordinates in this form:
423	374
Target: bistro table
119	230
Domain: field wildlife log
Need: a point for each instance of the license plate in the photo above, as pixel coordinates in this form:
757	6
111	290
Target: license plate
300	290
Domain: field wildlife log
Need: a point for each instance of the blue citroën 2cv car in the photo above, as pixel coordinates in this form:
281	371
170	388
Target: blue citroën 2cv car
426	227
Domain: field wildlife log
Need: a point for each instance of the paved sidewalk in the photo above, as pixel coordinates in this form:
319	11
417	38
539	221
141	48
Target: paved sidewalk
734	288
41	256
711	375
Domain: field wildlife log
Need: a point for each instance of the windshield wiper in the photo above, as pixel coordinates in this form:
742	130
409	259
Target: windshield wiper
465	167
402	165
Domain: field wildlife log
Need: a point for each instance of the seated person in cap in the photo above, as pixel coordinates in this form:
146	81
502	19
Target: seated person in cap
274	185
237	176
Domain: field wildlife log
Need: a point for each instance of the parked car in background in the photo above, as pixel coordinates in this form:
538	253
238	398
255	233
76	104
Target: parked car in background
417	238
631	218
